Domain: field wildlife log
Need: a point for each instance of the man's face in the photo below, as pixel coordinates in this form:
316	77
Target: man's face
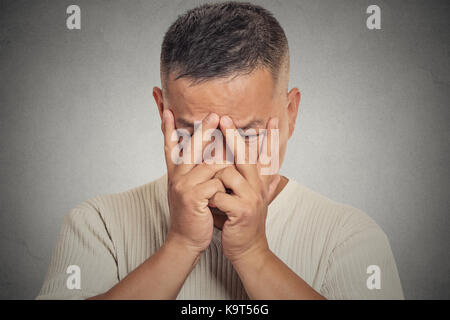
249	100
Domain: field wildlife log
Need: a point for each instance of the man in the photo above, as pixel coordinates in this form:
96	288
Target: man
212	231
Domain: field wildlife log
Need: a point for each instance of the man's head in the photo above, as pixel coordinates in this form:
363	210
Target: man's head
230	59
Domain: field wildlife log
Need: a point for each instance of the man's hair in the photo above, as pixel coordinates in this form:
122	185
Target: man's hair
223	39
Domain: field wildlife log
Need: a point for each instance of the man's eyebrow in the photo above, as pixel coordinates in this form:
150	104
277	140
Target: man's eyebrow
252	124
185	123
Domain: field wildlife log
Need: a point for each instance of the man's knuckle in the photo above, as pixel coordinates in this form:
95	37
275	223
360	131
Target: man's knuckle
215	197
246	210
208	168
228	170
178	186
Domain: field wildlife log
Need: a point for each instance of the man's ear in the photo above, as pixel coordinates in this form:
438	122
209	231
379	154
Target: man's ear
158	95
294	101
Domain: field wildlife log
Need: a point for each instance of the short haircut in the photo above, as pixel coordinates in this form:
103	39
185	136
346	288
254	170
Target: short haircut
221	40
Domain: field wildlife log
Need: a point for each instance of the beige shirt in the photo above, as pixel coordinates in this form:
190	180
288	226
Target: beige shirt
328	244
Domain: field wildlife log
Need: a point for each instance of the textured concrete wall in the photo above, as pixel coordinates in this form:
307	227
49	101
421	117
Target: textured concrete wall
78	119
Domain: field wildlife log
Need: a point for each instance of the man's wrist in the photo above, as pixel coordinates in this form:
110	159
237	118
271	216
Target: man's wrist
253	260
176	246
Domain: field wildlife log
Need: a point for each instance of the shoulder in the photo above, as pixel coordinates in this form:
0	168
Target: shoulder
340	221
113	206
350	242
314	203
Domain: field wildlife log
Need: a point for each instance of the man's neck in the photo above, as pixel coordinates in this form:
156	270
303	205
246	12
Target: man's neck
281	184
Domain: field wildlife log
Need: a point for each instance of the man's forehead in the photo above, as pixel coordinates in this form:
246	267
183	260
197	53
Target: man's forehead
258	80
244	98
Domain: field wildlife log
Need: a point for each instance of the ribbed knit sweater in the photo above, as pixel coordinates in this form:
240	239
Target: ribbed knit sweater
328	244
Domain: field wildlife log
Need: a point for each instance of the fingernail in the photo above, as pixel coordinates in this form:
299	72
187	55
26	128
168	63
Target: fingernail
211	117
226	121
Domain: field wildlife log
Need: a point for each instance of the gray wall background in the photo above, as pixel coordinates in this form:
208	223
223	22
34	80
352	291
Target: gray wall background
78	119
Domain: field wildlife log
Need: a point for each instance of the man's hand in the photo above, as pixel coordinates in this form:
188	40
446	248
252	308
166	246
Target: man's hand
244	241
190	187
244	233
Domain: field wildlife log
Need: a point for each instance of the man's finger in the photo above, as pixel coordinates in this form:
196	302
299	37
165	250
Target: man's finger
232	179
196	143
207	189
225	203
169	139
268	159
203	138
203	172
238	148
